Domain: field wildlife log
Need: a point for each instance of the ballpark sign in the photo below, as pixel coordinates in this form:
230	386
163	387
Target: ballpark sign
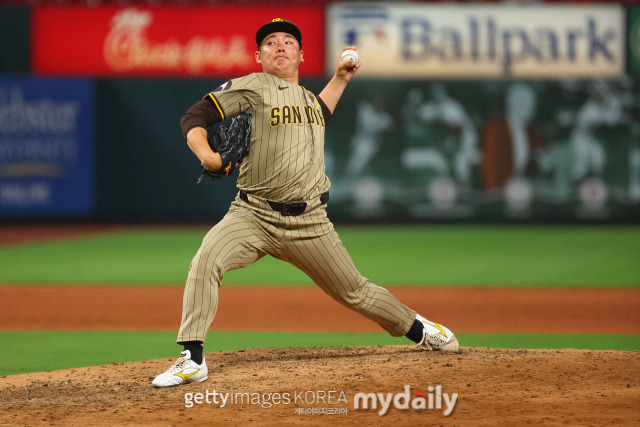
481	41
160	41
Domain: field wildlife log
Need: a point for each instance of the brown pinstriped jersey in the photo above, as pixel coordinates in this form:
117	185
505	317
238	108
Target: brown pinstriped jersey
286	155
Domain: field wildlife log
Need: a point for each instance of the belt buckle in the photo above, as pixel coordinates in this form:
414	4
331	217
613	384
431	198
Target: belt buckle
293	209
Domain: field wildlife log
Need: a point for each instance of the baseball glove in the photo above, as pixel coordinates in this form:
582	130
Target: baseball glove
231	143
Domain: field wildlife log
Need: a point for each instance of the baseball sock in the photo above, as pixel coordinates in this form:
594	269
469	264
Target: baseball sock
415	333
195	347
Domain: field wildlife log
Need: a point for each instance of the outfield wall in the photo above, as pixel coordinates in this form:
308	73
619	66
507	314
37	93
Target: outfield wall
399	151
460	136
395	151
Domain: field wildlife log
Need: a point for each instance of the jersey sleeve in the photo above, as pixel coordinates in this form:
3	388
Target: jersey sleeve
326	113
201	114
236	96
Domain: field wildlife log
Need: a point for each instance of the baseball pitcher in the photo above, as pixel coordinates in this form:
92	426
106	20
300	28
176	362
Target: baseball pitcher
280	209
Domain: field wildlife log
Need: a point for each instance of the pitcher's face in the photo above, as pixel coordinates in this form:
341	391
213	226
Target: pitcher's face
280	55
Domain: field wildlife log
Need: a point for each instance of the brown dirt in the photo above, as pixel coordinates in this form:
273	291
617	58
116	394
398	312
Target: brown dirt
495	387
308	309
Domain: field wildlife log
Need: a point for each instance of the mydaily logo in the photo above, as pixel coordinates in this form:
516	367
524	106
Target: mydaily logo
433	399
330	402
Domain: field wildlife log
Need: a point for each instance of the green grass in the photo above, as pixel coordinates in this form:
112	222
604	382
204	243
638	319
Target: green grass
125	257
35	351
406	255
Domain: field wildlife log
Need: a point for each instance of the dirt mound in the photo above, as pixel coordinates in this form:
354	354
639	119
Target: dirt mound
322	385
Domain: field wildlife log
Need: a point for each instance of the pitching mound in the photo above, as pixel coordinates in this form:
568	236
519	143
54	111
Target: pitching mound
341	385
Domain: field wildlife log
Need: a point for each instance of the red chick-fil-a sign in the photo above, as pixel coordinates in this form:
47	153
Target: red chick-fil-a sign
165	41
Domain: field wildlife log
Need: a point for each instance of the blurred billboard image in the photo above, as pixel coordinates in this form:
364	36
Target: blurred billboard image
46	147
427	40
161	41
494	149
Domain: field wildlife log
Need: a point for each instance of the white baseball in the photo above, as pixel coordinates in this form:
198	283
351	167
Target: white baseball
349	55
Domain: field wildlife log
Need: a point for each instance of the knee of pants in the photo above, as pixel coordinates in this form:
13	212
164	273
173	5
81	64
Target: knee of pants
203	267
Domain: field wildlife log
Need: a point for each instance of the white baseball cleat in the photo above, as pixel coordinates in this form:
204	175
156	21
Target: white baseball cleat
437	337
184	370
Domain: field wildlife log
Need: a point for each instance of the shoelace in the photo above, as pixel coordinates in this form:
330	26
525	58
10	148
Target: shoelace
437	338
432	338
178	365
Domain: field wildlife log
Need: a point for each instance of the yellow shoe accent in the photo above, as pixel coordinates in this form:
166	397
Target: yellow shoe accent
185	377
438	327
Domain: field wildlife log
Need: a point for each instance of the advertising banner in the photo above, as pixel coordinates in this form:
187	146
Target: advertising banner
492	150
633	40
46	147
426	41
163	41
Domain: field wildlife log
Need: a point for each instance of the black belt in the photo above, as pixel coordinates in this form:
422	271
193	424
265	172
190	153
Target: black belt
288	208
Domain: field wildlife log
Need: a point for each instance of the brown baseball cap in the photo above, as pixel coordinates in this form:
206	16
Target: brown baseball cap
278	25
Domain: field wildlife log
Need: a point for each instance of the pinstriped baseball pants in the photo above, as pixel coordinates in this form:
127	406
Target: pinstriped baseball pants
252	230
